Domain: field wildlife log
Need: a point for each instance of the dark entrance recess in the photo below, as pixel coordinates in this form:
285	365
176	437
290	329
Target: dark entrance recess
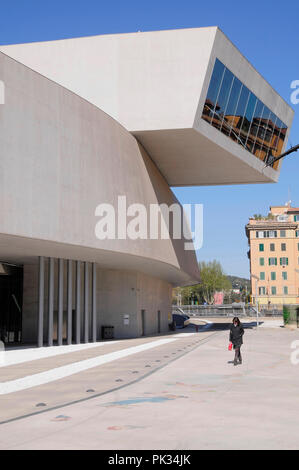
11	300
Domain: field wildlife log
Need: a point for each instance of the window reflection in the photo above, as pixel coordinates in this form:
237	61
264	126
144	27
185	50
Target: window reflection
234	110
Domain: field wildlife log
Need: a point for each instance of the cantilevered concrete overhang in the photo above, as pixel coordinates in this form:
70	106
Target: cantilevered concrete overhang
155	84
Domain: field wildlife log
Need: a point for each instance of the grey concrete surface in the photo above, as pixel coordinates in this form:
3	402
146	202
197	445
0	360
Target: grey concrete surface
161	101
199	401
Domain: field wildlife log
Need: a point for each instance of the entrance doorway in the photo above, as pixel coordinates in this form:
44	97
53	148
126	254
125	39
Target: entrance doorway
11	299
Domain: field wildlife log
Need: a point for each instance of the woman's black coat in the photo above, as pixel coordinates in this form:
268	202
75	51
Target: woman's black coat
236	335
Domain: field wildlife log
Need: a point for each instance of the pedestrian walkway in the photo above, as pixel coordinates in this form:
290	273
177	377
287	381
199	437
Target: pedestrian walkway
182	394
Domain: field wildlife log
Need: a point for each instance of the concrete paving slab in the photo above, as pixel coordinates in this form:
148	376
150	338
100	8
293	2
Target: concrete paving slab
198	401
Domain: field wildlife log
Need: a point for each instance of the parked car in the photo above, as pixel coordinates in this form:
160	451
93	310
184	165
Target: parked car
180	320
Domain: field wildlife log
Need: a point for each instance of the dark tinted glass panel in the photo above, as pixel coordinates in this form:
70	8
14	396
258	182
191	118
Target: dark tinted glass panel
270	137
229	121
263	130
264	123
239	114
242	105
248	117
233	99
224	92
256	118
213	91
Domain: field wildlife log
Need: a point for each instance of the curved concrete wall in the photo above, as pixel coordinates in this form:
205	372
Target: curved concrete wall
60	157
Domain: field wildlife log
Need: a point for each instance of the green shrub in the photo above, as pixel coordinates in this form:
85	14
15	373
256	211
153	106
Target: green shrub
286	315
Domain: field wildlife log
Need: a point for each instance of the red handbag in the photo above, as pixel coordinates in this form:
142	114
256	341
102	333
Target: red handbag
230	346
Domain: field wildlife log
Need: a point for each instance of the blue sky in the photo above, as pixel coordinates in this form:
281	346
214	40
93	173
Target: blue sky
266	33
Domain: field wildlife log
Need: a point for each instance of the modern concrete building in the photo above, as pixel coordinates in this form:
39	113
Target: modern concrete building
274	256
87	120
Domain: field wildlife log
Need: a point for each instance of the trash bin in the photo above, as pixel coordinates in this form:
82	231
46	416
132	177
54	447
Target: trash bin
107	332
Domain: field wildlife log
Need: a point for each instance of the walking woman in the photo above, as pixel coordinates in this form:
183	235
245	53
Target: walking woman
236	338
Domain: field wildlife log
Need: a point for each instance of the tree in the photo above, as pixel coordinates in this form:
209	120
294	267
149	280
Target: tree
213	280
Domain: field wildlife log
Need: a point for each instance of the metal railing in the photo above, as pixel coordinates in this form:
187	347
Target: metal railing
225	310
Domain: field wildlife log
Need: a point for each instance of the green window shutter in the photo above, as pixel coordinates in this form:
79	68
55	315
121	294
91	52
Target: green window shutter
287	259
275	261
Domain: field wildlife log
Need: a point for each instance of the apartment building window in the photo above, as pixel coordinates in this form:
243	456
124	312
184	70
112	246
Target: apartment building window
261	247
283	233
296	218
273	276
262	290
284	261
286	290
272	246
267	234
297	233
298	246
262	262
284	275
272	261
259	234
283	247
262	276
273	290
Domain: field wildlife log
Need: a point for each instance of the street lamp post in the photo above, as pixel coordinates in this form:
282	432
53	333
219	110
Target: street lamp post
256	299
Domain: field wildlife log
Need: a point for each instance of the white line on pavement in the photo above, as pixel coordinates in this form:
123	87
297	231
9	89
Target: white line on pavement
183	335
71	369
21	355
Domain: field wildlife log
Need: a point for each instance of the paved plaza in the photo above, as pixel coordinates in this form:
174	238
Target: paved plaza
175	391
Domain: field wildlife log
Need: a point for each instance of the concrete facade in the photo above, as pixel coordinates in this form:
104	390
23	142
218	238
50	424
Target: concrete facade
56	147
155	84
121	296
89	120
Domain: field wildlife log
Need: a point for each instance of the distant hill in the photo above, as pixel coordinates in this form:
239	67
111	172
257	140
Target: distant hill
237	282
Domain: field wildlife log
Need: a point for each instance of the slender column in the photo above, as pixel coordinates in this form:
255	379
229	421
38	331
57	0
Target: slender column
60	303
41	298
94	302
86	303
78	302
51	302
69	301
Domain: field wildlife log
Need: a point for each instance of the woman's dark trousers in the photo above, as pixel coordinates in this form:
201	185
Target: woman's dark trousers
238	357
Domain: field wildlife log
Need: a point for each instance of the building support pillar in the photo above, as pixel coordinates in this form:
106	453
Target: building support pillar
78	302
86	302
51	302
41	298
60	303
69	302
94	302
